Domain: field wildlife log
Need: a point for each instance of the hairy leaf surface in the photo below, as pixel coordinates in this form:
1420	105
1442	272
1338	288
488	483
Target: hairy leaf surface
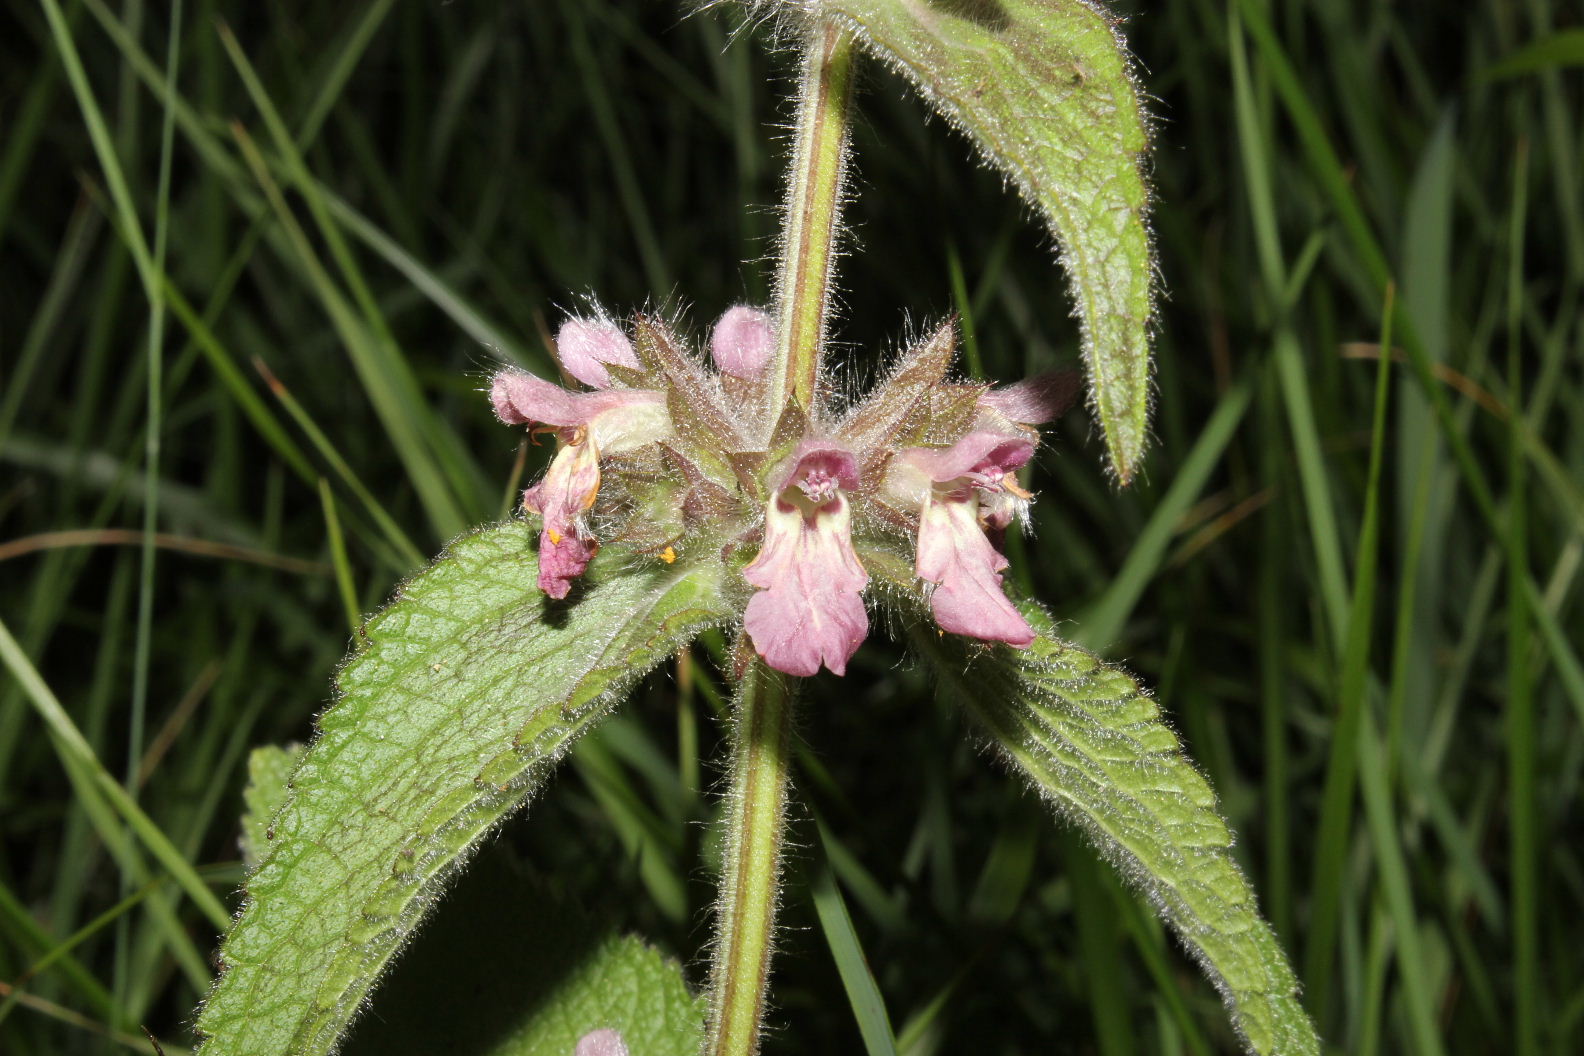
269	768
625	985
1095	747
470	687
1044	89
511	965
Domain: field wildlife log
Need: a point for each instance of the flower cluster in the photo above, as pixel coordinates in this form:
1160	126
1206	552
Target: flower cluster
676	460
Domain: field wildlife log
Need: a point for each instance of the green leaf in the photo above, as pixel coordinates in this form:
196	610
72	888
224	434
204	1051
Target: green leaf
470	687
625	985
268	768
1045	90
1095	747
508	968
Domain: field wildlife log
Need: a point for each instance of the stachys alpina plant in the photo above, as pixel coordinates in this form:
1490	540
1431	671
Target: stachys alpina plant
731	489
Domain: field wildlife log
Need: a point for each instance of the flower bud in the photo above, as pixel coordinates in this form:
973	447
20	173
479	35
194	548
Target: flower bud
585	346
743	342
1036	400
602	1042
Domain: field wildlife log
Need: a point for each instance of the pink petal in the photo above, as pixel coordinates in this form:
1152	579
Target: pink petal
562	562
622	419
810	610
981	452
585	346
568	489
819	458
1036	400
602	1042
521	398
954	553
743	341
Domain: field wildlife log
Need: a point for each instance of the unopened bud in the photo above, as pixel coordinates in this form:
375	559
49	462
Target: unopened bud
601	1042
585	346
1036	400
743	342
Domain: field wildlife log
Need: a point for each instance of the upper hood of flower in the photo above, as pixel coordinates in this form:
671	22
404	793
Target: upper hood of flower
1033	401
620	419
586	347
980	453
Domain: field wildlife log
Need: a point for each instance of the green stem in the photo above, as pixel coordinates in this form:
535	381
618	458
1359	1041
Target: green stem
756	819
813	205
750	876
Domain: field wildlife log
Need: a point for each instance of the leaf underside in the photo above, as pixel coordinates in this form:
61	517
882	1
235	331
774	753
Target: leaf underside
1044	90
1095	747
470	687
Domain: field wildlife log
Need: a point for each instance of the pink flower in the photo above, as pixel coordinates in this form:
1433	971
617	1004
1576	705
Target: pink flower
692	461
1033	401
743	342
809	608
568	490
586	346
602	1042
621	420
613	421
954	551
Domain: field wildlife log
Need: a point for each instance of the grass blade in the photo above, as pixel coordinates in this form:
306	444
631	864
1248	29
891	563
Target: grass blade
73	749
868	1006
1105	620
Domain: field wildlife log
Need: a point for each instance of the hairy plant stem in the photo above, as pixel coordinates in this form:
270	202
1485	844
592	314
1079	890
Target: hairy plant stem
756	816
813	204
751	871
